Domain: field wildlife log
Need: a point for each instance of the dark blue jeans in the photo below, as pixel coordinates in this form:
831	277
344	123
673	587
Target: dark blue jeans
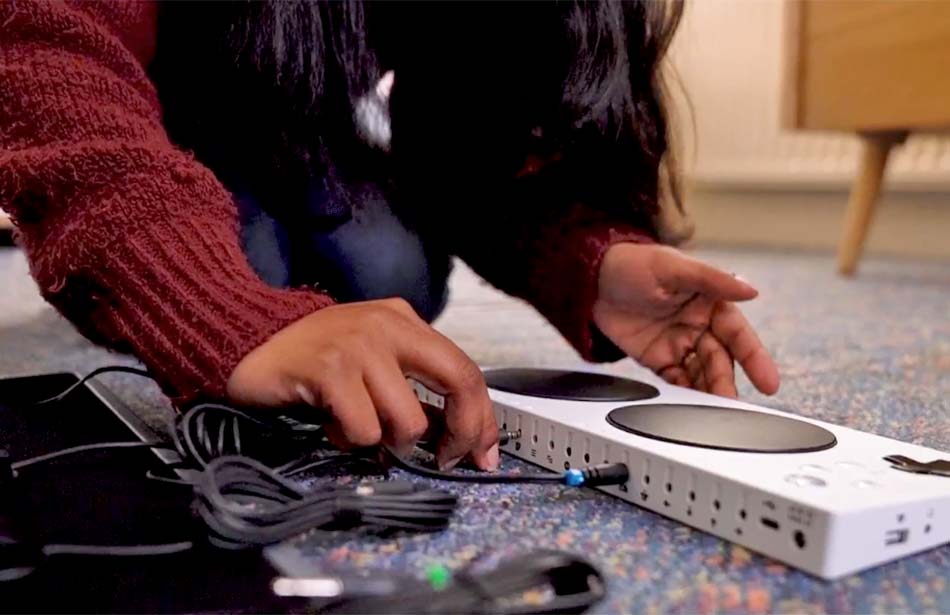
372	255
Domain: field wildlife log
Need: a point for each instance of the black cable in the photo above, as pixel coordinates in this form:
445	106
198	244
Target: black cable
330	461
483	478
75	450
245	502
207	431
108	369
592	476
191	434
118	550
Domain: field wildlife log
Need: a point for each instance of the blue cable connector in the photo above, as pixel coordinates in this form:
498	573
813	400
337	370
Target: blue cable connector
597	476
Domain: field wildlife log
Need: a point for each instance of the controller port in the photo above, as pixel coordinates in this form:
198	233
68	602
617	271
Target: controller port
770	523
896	537
799	538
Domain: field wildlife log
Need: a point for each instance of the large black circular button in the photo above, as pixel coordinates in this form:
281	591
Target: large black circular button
728	429
568	385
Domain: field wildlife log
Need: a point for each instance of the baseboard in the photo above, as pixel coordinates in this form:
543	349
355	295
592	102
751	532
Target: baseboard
906	224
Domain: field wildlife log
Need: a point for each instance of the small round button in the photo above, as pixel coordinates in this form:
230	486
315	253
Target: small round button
806	480
813	467
866	484
849	466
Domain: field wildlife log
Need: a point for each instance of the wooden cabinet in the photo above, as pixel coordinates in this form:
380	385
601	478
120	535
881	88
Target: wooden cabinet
879	68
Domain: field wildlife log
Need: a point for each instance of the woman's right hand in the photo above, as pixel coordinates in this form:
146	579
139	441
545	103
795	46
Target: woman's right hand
352	360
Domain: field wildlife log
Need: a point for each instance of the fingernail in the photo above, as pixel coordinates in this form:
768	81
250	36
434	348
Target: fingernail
492	458
448	465
742	279
306	395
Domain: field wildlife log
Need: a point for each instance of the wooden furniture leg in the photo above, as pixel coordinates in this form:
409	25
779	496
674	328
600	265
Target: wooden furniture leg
876	148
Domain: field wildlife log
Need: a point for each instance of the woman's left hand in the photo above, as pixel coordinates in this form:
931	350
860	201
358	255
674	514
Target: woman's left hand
677	316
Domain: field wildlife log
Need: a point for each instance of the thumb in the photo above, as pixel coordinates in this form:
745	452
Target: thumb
679	272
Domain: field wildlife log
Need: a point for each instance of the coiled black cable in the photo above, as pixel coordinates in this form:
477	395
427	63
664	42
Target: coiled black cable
247	502
244	503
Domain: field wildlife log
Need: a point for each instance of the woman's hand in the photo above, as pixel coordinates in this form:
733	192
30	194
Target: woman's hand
675	315
352	360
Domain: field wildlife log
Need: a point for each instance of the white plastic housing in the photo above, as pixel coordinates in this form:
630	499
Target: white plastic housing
830	513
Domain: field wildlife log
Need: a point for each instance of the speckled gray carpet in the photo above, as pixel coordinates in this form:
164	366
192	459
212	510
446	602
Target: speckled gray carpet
872	353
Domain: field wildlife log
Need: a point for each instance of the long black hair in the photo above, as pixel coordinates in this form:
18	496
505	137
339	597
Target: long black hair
264	92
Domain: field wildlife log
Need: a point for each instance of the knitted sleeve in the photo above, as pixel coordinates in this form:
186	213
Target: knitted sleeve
554	263
131	239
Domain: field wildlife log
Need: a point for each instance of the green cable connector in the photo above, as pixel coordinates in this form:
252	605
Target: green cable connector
438	576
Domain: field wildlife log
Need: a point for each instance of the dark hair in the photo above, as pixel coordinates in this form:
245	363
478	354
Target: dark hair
617	79
265	90
262	92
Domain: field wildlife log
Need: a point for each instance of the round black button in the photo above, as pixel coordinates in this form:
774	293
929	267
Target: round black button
568	385
728	429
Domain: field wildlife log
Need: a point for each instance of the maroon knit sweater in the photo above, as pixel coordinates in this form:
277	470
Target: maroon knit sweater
137	243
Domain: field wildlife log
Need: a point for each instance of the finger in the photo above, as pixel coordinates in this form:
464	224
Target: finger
488	440
694	372
696	314
434	409
717	365
436	419
732	329
678	272
667	349
675	375
466	434
354	423
397	406
700	384
436	362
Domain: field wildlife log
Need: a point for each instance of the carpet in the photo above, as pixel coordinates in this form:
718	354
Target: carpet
872	353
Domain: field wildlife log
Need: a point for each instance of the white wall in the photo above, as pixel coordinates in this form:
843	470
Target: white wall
728	54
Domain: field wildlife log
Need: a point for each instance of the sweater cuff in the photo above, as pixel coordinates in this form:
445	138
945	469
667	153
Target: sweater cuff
564	284
181	296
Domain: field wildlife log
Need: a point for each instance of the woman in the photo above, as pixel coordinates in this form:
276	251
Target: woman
260	200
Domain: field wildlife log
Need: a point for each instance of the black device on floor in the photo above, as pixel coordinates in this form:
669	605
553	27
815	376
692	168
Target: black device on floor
86	527
103	498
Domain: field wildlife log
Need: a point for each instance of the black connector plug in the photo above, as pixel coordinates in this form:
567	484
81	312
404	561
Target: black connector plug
600	475
606	474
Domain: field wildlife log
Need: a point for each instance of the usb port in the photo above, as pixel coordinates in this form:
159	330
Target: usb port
896	537
770	523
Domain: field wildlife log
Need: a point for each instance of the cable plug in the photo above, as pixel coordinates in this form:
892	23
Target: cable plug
391	487
599	475
505	436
